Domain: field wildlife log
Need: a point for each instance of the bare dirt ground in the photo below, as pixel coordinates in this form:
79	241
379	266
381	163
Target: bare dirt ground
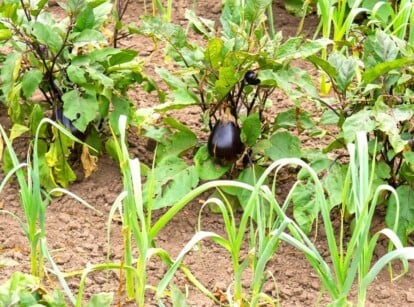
77	235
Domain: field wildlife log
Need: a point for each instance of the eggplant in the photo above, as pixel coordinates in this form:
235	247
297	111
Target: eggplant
224	142
251	77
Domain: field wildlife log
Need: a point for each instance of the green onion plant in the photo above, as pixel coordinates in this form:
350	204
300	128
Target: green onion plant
352	262
397	20
34	200
263	218
137	227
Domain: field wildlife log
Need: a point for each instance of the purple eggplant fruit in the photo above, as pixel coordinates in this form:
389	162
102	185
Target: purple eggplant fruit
251	78
224	142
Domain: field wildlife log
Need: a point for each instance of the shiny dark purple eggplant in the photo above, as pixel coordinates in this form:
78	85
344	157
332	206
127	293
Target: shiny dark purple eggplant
251	78
224	142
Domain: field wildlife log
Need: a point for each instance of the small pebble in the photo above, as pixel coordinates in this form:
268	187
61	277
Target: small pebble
410	296
100	280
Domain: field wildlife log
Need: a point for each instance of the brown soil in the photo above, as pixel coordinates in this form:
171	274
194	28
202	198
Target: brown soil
77	236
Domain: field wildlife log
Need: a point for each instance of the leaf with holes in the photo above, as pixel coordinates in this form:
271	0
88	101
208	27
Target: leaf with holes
80	109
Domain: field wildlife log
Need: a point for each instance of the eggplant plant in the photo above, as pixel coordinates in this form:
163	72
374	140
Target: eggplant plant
230	76
372	85
66	69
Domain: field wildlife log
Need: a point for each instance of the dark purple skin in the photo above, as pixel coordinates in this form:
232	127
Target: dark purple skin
66	122
251	78
224	142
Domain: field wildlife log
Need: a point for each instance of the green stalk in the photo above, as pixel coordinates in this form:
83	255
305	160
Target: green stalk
271	22
136	224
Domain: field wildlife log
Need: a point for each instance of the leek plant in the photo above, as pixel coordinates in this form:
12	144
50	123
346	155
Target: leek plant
33	199
137	228
263	218
397	20
262	245
351	262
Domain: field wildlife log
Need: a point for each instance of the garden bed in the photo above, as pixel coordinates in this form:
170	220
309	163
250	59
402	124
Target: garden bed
78	236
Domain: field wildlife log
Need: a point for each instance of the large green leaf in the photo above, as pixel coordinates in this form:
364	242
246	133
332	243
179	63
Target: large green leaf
170	78
324	65
214	53
45	172
390	127
80	109
180	98
85	20
251	129
360	121
122	106
200	24
305	208
122	56
345	70
334	183
5	34
177	142
76	74
406	171
10	71
206	168
383	68
385	47
173	178
88	36
284	145
294	117
31	81
48	36
17	130
35	117
227	80
302	50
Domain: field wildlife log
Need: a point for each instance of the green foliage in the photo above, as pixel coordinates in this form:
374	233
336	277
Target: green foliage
33	199
373	93
352	260
68	68
26	290
236	68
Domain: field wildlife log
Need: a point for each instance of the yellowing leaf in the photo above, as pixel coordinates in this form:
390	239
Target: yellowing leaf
17	130
88	161
56	159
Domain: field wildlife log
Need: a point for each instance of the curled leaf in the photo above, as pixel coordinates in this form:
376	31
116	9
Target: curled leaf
88	161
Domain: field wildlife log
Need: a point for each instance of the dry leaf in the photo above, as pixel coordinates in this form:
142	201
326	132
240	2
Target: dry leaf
88	161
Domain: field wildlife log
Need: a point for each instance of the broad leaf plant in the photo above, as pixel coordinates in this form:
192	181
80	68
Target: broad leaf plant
65	66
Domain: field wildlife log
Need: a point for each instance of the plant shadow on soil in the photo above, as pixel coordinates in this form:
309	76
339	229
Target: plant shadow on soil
77	235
